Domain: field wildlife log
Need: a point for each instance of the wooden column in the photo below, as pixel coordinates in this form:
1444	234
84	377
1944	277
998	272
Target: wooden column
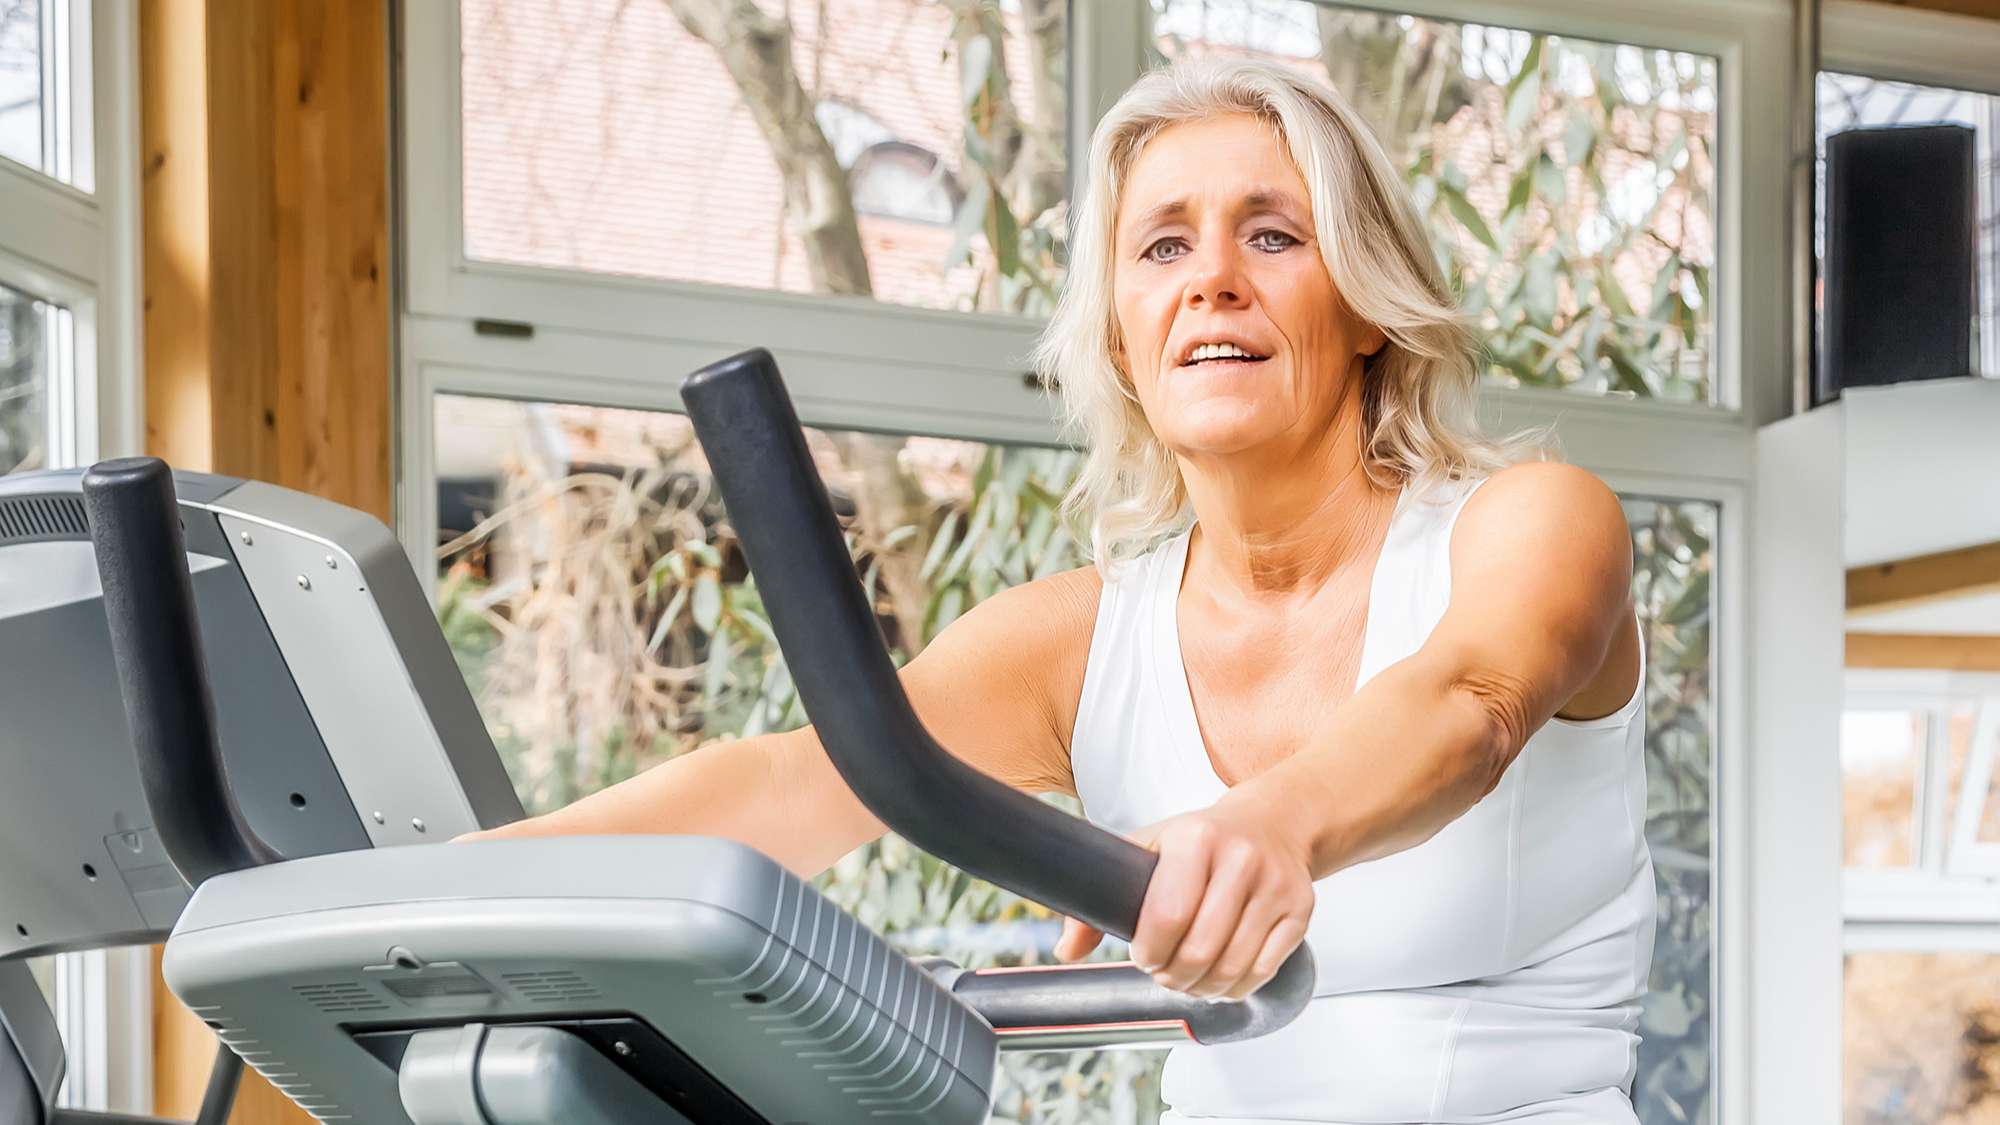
266	138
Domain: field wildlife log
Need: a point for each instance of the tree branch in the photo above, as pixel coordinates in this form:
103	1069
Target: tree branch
756	49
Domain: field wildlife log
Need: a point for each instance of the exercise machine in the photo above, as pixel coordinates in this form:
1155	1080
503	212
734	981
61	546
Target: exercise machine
621	979
83	866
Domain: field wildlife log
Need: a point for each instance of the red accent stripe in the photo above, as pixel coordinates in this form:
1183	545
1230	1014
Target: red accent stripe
1136	1025
1001	971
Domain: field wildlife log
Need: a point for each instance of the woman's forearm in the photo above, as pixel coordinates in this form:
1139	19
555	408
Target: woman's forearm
777	793
1407	755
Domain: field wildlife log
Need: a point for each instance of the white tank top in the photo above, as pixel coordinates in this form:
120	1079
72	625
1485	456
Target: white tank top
1491	973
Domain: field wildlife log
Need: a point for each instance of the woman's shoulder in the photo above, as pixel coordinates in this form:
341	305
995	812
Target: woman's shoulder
1538	491
1536	512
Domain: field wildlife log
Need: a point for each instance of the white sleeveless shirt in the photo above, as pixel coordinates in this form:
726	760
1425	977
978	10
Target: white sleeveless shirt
1491	973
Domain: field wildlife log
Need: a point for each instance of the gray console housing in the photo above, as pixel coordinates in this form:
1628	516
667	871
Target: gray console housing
286	585
802	1011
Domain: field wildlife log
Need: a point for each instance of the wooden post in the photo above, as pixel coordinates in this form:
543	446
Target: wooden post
266	137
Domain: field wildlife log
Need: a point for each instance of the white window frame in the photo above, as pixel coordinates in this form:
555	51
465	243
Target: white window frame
78	247
1953	900
852	362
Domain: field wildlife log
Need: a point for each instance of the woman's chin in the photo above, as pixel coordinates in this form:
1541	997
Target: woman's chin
1222	433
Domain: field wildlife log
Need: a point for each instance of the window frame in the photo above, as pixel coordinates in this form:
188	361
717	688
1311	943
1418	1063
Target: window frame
79	248
854	363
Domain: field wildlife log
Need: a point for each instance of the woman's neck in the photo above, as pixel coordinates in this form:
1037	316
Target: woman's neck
1274	531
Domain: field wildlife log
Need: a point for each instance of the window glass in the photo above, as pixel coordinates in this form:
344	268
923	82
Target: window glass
1674	558
1850	101
1922	1035
32	334
910	150
592	589
36	79
22	68
1568	184
1881	760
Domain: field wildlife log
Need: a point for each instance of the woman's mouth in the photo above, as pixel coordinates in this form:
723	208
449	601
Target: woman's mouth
1220	357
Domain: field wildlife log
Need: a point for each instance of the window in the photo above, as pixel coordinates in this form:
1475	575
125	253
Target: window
44	108
656	140
1918	756
1852	101
1920	1031
564	271
34	338
1923	923
1569	184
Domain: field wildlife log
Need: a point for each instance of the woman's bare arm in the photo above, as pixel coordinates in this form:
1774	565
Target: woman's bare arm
998	687
1539	623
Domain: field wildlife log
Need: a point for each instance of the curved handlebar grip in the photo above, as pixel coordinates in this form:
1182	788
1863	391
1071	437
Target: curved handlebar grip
850	689
1079	997
135	531
834	649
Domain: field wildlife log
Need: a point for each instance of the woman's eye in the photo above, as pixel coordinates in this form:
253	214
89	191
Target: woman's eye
1272	240
1165	250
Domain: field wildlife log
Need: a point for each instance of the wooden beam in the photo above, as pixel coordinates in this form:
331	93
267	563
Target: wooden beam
1985	9
1925	578
265	128
1939	651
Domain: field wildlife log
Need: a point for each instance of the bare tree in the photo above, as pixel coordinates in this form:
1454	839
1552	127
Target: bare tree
756	48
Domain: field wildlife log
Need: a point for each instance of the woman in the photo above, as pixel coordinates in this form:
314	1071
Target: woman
1381	695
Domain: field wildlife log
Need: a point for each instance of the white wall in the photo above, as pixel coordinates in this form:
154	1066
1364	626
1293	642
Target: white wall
1923	468
1794	816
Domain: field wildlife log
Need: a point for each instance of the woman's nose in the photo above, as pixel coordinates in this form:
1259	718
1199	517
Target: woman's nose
1217	280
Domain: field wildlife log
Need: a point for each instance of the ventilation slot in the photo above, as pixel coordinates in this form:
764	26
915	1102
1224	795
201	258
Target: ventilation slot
340	996
42	517
550	987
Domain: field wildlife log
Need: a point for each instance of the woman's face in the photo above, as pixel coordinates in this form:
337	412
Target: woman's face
1215	246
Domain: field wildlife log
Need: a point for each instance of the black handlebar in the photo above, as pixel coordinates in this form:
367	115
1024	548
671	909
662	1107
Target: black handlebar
156	643
781	512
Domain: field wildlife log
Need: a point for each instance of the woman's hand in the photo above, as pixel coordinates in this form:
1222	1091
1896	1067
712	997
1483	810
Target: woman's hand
1229	901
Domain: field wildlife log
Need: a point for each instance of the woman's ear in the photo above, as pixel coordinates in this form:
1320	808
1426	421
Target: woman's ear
1374	341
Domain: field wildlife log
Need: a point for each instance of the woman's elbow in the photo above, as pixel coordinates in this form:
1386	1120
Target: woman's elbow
1495	714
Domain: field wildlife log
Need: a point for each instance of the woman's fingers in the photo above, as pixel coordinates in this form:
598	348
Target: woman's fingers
1232	878
1278	945
1077	940
1180	879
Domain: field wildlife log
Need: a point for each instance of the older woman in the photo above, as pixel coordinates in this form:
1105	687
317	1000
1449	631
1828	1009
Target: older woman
1380	694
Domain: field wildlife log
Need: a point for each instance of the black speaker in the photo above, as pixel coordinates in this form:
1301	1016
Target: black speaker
1901	228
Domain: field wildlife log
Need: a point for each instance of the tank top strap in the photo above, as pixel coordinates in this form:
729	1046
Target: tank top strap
1412	583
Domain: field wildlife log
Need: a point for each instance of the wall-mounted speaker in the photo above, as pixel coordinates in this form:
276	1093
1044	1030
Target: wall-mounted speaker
1901	227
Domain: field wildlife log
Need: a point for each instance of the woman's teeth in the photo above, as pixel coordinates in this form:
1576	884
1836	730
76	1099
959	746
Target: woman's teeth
1219	351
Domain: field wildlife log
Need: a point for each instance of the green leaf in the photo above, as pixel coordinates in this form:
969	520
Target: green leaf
1663	289
715	678
667	618
975	68
1549	181
940	544
1468	215
969	222
1524	91
1692	603
1005	236
1521	191
707	602
1630	377
1580	138
1539	288
1612	293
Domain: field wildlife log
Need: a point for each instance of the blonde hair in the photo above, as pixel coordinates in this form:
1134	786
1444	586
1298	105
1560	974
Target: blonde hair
1418	389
